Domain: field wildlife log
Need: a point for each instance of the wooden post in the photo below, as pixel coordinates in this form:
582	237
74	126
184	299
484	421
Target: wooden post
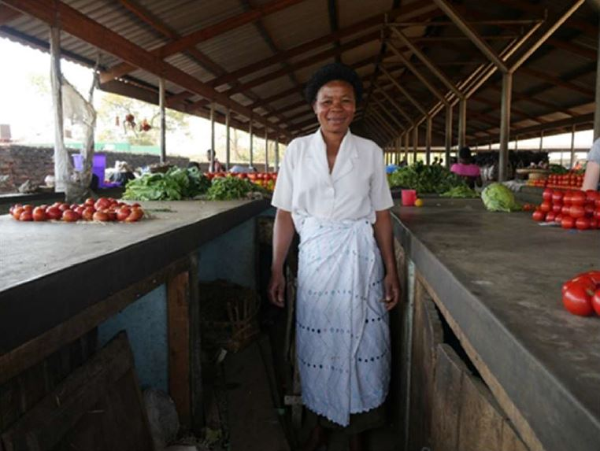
211	162
505	126
266	149
573	128
251	133
415	142
61	157
277	154
163	120
428	140
448	134
228	145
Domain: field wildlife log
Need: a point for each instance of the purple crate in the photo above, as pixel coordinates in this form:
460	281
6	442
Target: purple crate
98	167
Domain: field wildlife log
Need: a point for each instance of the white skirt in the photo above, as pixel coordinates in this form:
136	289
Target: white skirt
342	326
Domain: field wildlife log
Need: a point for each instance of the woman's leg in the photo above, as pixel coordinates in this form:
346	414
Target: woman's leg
318	438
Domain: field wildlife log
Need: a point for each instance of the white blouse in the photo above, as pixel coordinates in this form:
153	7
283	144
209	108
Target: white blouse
356	188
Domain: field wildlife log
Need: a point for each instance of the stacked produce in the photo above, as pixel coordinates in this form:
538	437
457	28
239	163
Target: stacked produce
425	179
229	188
265	180
461	192
566	180
175	184
102	210
581	294
570	209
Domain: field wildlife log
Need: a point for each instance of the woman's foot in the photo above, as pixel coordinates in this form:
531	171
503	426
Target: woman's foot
318	438
355	442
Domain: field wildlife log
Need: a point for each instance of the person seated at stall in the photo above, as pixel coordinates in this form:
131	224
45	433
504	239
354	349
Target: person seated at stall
214	165
592	169
193	164
466	168
123	173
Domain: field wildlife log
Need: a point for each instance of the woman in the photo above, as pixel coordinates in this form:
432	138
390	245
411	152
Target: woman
332	190
466	169
592	169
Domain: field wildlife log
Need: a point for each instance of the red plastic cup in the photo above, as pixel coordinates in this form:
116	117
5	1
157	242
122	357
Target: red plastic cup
408	197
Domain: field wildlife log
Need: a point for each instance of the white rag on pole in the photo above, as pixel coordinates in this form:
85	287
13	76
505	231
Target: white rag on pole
342	330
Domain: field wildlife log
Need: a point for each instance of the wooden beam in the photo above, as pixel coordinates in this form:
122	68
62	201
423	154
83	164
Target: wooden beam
334	25
423	8
556	81
7	14
84	28
204	34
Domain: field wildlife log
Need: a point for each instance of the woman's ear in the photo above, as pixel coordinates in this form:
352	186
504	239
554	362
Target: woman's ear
314	106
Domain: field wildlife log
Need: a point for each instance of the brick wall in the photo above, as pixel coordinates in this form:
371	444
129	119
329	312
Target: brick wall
22	163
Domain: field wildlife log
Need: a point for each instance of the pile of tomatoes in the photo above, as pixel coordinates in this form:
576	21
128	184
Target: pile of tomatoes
570	180
265	179
103	210
581	294
571	209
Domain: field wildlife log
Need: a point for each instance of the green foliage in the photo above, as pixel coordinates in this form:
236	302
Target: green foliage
175	184
425	179
229	188
497	197
460	192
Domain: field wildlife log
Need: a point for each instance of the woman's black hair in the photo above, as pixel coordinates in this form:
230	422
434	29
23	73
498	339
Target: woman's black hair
464	153
331	72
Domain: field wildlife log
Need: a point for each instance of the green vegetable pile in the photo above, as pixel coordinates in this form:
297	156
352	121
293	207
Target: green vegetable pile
425	179
461	192
497	197
228	188
175	184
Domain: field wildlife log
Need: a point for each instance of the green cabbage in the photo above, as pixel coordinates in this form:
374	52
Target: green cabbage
497	197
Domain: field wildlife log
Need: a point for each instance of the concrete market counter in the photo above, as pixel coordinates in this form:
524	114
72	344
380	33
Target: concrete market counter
495	278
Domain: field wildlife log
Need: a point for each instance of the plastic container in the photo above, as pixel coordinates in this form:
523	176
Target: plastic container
98	166
408	197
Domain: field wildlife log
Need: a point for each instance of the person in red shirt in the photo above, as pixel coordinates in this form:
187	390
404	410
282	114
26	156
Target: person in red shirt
214	165
466	168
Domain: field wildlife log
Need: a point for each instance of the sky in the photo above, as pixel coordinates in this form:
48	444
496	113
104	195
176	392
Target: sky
30	116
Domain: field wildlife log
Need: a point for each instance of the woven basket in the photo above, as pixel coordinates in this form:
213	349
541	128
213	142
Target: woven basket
229	315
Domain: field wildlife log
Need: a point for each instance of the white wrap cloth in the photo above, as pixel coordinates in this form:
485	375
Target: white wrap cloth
342	330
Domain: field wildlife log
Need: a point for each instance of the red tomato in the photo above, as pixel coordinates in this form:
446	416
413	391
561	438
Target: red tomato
28	207
596	302
582	223
546	206
565	210
538	215
90	202
567	197
557	196
550	216
577	211
557	208
567	222
70	216
135	215
17	212
88	213
26	215
102	204
578	198
39	214
589	209
64	207
577	298
123	213
100	216
79	210
54	213
558	218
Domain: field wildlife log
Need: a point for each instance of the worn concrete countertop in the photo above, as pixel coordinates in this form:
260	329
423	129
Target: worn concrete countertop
52	270
499	275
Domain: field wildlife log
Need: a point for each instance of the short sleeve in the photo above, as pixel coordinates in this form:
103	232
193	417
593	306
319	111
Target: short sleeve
284	188
594	154
381	197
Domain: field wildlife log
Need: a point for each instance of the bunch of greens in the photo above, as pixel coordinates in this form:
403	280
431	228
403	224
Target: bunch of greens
228	188
497	197
175	184
425	179
558	169
462	191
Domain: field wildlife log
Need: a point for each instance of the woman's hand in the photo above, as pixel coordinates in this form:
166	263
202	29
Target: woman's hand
391	286
277	288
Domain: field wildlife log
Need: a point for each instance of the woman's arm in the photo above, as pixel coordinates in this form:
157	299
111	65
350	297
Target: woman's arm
283	233
592	175
385	241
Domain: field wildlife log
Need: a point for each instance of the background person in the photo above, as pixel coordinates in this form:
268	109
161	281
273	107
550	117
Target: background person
592	168
214	165
466	168
332	189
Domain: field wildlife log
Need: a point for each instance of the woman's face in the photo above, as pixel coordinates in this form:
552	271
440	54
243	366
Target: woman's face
335	106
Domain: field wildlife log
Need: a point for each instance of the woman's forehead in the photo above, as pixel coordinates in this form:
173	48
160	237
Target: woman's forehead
334	87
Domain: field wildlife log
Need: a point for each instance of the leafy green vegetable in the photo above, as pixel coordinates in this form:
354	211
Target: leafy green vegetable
497	197
558	169
462	191
425	179
175	184
228	188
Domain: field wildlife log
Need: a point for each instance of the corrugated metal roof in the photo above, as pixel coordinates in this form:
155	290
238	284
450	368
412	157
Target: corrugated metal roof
570	59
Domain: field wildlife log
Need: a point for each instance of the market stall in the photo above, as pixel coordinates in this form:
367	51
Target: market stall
496	360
